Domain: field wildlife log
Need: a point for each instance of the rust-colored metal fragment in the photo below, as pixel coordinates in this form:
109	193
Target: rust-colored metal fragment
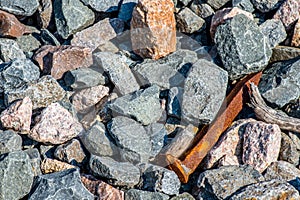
230	108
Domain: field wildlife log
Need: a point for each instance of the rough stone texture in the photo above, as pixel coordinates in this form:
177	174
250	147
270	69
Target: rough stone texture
85	99
237	51
274	30
280	84
282	170
159	179
9	142
42	55
35	160
23	8
157	134
103	5
203	96
153	29
71	16
216	4
223	15
188	21
10	50
222	182
117	173
16	175
18	115
288	150
70	152
28	43
175	96
100	189
132	137
266	5
48	38
126	9
50	186
288	13
51	165
84	78
203	10
183	196
42	93
244	5
273	189
296	36
134	194
55	125
45	12
281	53
17	73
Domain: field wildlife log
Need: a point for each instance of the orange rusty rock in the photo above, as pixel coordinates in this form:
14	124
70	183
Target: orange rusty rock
153	28
230	108
296	36
10	25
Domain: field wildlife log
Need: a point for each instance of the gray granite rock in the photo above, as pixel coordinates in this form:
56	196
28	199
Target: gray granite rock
126	8
222	182
10	141
116	173
71	16
274	30
188	21
216	4
282	170
204	92
244	5
60	185
280	83
160	179
288	150
35	160
245	49
142	105
265	6
134	194
10	50
202	9
103	5
118	71
48	38
16	175
29	43
157	134
183	196
23	8
175	96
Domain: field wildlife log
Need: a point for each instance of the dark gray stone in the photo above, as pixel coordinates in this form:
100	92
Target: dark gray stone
35	160
60	185
28	43
103	5
71	16
84	78
288	150
142	105
222	182
157	134
126	8
280	84
188	21
274	30
160	179
10	50
134	194
23	8
130	136
9	141
48	38
244	5
183	196
117	173
118	71
202	9
245	49
175	96
216	4
204	91
293	108
16	175
265	6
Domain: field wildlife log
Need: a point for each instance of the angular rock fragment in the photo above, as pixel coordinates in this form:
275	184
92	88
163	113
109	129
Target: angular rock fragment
175	96
134	194
22	8
266	5
296	36
9	142
244	5
28	43
288	150
183	196
157	134
274	30
202	9
282	170
188	21
45	12
153	29
48	38
103	5
50	186
35	160
126	9
10	50
281	53
216	4
51	165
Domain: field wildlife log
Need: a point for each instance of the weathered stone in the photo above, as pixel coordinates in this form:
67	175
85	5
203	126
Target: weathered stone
157	134
237	52
71	16
175	96
266	5
9	142
48	38
159	179
244	5
222	182
51	165
49	186
103	5
42	93
55	125
188	21
16	175
35	160
281	53
296	36
216	4
45	12
10	50
108	47
28	43
142	105
126	9
282	170
134	194
274	30
288	150
18	115
100	189
117	173
23	8
153	29
275	81
203	10
202	97
183	196
274	189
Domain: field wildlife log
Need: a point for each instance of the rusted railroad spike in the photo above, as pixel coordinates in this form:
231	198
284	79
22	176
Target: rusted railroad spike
230	108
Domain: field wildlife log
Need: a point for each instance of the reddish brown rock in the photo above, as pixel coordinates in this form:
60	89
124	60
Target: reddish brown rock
100	189
18	116
296	36
44	13
10	25
153	29
55	125
51	165
222	15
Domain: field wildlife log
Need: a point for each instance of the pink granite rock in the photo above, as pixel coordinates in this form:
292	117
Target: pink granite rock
153	28
296	36
225	14
18	116
55	125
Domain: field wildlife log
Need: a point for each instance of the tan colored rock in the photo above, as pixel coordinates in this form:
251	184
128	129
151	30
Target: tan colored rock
18	116
153	28
44	13
51	165
296	36
281	53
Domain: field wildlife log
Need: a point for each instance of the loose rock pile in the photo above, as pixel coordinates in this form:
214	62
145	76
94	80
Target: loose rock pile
93	92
